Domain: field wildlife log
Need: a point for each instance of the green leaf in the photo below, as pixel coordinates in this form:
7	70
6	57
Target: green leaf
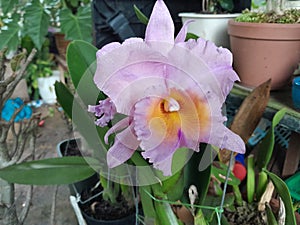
191	36
174	191
200	218
10	38
81	56
165	214
226	5
250	178
64	97
267	144
81	60
79	26
141	16
65	170
8	5
284	193
270	216
36	23
237	195
147	202
261	184
74	3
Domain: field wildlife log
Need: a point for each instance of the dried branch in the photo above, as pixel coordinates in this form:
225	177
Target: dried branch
18	76
27	132
2	65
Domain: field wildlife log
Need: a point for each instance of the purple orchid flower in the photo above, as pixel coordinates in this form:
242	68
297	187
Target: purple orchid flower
171	91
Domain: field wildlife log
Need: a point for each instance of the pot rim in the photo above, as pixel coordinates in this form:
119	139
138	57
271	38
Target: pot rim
266	31
195	15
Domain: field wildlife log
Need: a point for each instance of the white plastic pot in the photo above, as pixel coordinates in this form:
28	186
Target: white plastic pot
212	27
46	87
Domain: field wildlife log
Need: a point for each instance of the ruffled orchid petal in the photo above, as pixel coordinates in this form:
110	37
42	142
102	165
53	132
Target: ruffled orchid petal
123	148
160	18
219	60
105	110
164	165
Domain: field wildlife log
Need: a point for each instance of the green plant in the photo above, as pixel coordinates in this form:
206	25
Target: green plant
287	16
258	178
33	20
270	12
42	65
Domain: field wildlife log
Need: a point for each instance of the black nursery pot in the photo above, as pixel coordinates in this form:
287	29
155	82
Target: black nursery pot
129	220
70	147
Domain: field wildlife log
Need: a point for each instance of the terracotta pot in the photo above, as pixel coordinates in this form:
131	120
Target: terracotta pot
61	44
262	51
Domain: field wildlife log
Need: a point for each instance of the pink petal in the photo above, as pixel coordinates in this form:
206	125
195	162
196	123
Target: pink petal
160	26
224	138
219	60
117	127
165	165
107	49
181	36
124	80
123	148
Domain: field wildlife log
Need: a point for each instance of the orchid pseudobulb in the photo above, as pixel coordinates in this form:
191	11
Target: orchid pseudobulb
170	90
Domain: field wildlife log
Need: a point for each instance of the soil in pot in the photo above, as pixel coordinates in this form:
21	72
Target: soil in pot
247	214
103	210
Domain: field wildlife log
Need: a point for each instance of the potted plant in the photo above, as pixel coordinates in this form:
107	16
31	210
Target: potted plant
211	22
260	38
73	18
41	74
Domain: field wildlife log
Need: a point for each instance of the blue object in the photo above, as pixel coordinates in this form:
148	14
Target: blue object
296	92
11	105
240	158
